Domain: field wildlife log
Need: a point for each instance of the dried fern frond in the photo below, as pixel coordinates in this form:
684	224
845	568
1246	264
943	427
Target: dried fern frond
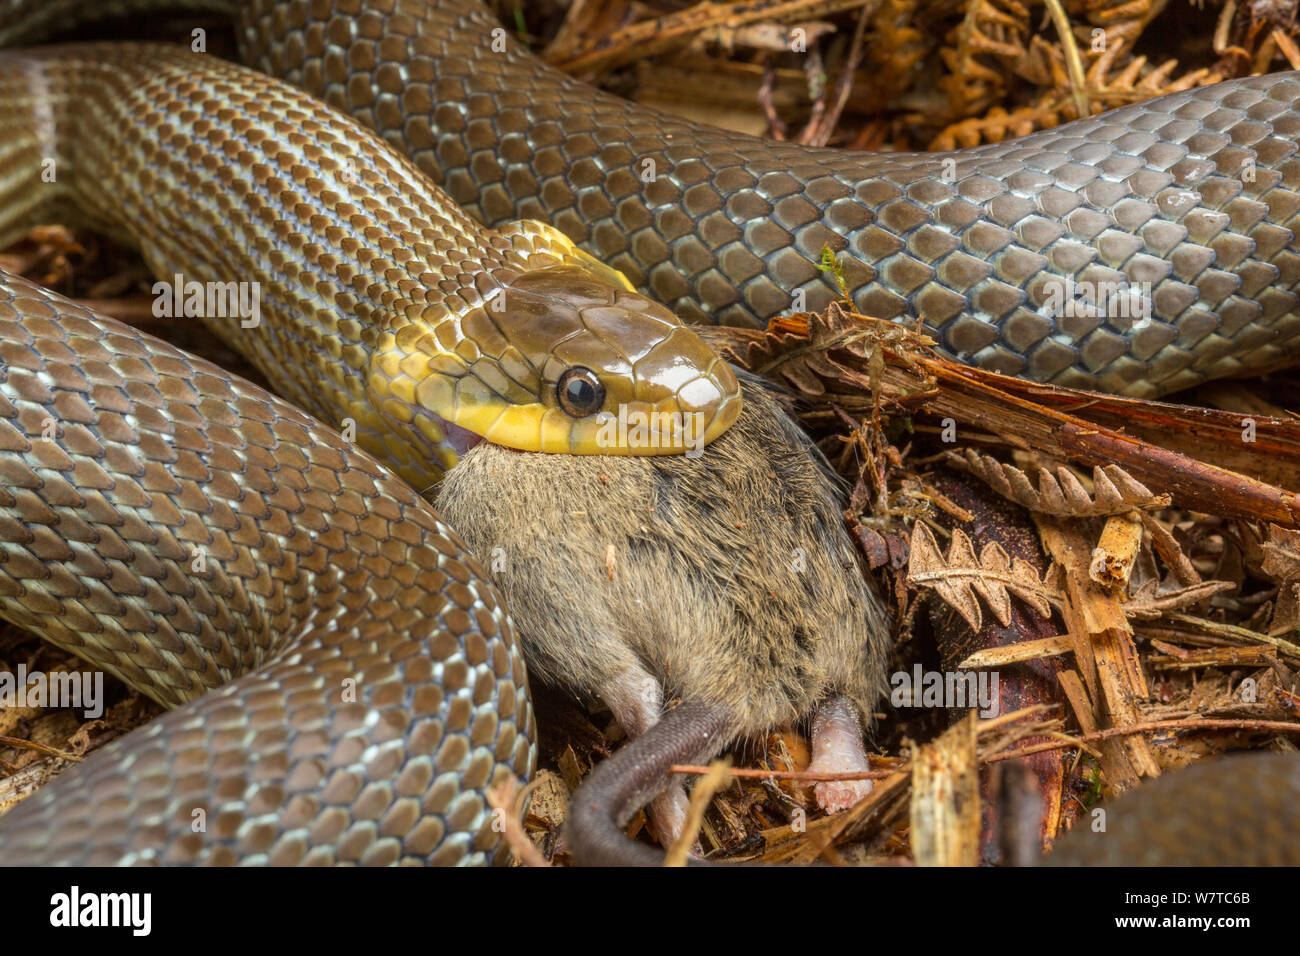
1138	81
960	576
895	47
989	45
993	44
1115	491
1148	602
995	127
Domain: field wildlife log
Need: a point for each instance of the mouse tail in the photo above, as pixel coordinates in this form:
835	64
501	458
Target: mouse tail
689	733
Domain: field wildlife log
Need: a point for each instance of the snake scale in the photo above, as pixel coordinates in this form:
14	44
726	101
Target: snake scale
1185	203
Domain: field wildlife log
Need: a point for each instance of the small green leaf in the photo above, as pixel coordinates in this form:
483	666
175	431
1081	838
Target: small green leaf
831	263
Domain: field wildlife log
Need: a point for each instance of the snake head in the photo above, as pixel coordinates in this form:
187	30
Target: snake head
557	359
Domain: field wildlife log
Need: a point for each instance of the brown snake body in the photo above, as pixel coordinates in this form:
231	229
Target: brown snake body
350	681
1184	205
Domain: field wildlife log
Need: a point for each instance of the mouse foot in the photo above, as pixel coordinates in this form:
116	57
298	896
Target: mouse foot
838	747
840	795
667	816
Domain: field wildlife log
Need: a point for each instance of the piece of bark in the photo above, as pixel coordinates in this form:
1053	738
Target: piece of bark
1096	620
1020	651
1117	549
945	805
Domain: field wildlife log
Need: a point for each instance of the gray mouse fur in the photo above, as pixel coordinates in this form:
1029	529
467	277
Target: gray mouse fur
734	582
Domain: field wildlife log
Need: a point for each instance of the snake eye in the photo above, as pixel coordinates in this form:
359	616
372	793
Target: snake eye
580	393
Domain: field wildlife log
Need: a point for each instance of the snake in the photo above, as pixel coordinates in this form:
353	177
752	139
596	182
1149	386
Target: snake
482	253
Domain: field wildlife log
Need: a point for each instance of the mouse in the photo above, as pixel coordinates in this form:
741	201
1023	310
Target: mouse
725	580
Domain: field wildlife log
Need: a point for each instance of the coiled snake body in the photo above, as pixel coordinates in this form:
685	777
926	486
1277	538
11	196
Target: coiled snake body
1175	215
379	303
352	682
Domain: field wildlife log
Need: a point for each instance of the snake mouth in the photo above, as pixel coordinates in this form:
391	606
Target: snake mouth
649	415
683	422
635	428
